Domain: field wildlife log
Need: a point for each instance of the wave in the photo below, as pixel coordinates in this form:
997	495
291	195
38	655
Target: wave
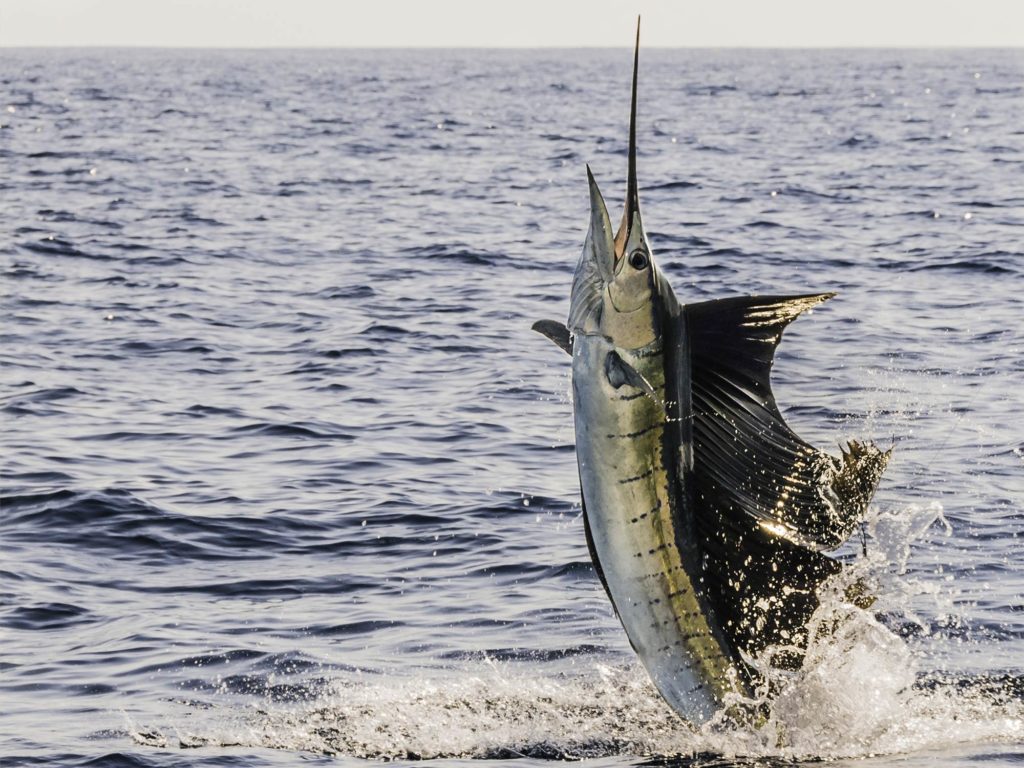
43	616
671	185
166	346
58	246
122	526
455	252
301	431
107	760
987	263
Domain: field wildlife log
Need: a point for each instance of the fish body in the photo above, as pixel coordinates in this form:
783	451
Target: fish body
628	464
706	516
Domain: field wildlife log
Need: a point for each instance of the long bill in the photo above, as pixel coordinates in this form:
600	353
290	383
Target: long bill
631	213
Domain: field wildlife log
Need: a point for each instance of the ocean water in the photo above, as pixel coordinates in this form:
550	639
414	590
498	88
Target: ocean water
287	478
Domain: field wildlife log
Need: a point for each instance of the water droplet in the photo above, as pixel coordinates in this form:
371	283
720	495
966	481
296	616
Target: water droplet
92	171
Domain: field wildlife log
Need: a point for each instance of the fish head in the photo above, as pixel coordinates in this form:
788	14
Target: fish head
634	274
616	278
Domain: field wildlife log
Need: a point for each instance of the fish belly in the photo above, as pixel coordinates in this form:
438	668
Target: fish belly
625	479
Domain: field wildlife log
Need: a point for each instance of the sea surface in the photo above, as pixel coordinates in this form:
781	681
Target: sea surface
287	478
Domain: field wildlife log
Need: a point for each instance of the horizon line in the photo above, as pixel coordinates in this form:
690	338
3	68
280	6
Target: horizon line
225	47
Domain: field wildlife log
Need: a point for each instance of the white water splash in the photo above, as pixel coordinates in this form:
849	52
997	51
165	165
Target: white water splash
859	693
854	697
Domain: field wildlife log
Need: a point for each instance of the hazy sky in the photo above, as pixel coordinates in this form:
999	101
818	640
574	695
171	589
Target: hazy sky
344	23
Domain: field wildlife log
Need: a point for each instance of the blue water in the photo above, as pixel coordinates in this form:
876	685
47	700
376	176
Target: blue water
286	476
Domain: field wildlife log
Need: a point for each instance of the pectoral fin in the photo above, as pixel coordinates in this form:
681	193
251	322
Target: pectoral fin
555	331
619	373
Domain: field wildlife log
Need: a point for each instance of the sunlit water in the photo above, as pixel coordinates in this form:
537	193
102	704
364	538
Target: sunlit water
286	475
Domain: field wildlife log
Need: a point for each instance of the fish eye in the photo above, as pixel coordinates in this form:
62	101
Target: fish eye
638	260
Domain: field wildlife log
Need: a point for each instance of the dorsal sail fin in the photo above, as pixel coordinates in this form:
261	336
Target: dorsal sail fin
765	502
751	461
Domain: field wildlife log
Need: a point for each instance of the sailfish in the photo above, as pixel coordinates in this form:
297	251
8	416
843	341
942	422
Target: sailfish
707	518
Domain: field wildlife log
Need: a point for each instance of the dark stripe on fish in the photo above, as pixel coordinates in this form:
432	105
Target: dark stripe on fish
633	479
